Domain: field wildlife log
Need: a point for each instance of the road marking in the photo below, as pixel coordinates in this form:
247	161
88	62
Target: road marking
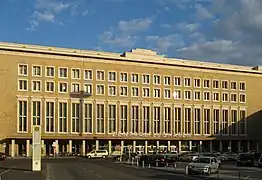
48	172
99	175
7	170
247	177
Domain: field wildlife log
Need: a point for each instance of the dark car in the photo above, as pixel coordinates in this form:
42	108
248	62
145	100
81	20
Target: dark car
2	156
245	159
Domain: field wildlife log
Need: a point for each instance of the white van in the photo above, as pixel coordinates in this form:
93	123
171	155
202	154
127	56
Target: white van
97	154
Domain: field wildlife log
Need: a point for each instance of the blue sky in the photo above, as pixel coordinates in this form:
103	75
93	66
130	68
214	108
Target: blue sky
226	31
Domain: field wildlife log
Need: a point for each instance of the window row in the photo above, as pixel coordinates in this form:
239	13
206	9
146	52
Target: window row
36	86
131	119
134	77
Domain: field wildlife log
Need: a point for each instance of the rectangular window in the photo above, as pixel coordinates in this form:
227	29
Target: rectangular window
156	93
22	116
225	97
36	71
146	119
134	78
100	118
206	96
49	86
88	88
157	118
22	85
167	80
75	74
167	120
146	92
177	81
187	95
242	122
233	85
112	90
50	71
216	117
36	114
123	91
50	117
187	127
197	83
216	96
112	118
242	98
22	70
206	83
36	86
123	118
63	73
215	84
224	84
146	79
88	118
135	91
75	87
233	97
178	118
100	89
88	74
157	79
197	95
135	119
197	120
187	82
177	94
233	122
62	117
123	77
207	119
112	76
242	86
100	75
75	117
167	93
225	121
62	87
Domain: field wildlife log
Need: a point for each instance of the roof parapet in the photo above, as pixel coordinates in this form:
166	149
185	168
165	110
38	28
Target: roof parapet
143	54
257	68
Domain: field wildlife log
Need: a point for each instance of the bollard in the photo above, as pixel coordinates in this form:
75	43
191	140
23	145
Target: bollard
137	163
186	170
149	165
143	164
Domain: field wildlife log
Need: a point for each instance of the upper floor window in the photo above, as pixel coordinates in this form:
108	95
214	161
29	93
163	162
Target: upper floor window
22	85
36	86
50	86
167	80
36	71
215	84
197	83
187	95
146	78
135	91
50	71
75	87
112	90
63	73
62	87
206	83
233	97
242	86
187	82
123	91
206	96
156	93
75	73
157	79
23	69
225	97
216	96
88	74
233	85
123	77
167	93
146	92
100	89
100	75
224	84
111	76
135	78
177	81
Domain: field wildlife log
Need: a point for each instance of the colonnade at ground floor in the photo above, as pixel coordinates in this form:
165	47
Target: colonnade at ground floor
23	147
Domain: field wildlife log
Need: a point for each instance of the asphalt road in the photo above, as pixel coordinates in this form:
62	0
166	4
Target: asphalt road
81	168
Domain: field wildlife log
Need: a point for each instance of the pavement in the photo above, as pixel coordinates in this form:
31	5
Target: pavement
77	168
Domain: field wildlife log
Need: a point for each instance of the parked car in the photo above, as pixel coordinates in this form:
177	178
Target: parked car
203	165
97	154
245	159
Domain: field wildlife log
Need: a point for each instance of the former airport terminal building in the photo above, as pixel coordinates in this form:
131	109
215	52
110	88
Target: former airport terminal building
89	99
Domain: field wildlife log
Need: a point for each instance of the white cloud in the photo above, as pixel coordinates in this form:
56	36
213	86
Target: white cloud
125	33
202	13
188	27
44	16
234	37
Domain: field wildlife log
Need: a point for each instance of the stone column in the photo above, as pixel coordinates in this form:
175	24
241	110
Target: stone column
146	147
168	146
13	148
97	145
56	146
84	147
179	146
70	146
190	145
27	148
134	146
200	146
230	146
109	147
157	145
122	147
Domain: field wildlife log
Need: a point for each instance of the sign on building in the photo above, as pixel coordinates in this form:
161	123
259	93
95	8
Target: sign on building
36	159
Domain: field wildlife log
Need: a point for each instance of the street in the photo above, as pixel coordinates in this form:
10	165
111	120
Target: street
80	168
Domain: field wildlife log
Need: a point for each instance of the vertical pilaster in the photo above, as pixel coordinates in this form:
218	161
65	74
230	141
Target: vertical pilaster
179	146
57	146
109	147
97	145
13	148
27	148
134	146
70	146
200	146
83	147
146	147
122	147
168	146
190	145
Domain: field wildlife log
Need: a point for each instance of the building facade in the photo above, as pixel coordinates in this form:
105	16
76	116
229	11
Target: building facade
87	100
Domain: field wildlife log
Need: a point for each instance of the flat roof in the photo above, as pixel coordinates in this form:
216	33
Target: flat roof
135	55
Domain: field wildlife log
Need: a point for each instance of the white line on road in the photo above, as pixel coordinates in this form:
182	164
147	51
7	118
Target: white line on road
48	172
7	170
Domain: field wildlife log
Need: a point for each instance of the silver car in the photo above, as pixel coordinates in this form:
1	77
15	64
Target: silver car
204	165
